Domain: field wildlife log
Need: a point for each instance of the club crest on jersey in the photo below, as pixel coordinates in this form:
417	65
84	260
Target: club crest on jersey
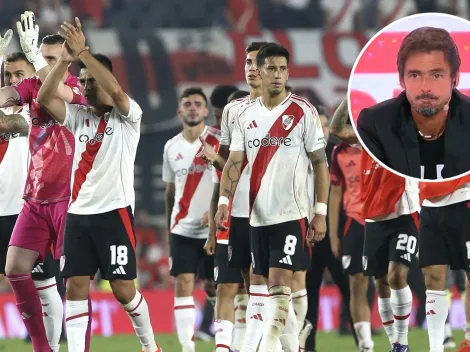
216	273
287	121
76	91
346	261
229	253
364	262
62	262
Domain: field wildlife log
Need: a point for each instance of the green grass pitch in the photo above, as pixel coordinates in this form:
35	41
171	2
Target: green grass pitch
169	343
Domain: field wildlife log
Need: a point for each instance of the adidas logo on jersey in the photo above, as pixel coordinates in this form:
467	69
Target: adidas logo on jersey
119	271
286	260
406	256
179	157
37	269
252	125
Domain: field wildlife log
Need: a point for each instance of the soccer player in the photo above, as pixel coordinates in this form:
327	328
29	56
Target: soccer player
444	241
239	242
99	231
279	133
218	99
46	193
189	181
345	171
465	345
389	206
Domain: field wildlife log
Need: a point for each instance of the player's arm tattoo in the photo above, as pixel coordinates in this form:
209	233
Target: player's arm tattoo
169	202
231	174
322	175
14	123
9	97
339	126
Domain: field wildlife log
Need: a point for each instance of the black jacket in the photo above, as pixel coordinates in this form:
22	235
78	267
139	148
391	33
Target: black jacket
389	132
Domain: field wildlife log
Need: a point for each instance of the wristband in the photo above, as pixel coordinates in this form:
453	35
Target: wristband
223	201
321	209
82	52
38	61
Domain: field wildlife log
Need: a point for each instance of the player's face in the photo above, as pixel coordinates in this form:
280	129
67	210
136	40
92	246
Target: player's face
251	73
274	74
51	52
428	82
15	71
94	93
193	110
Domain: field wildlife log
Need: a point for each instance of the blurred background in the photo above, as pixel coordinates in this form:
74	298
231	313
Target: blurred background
160	47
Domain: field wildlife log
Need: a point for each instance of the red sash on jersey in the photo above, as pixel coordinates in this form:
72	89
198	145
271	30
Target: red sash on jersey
265	154
380	188
192	181
429	190
3	149
87	158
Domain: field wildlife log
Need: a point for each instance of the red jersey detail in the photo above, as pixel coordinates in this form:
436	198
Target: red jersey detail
429	190
192	181
3	149
380	188
88	157
265	154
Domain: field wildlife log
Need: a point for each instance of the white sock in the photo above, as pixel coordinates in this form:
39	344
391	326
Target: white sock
76	322
52	310
279	297
138	311
239	326
364	334
290	334
466	329
223	335
300	303
436	314
185	316
256	315
401	305
386	315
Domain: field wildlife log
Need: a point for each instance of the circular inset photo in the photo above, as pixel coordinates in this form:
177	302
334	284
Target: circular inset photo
409	96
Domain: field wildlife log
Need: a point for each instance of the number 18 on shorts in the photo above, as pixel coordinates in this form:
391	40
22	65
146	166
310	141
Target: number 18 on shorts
278	246
102	241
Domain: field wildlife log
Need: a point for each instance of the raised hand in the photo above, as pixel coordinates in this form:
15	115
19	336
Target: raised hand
74	37
28	32
4	41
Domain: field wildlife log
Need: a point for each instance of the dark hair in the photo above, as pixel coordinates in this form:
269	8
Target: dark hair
237	95
193	91
425	40
18	56
254	46
288	88
52	39
103	59
271	50
220	94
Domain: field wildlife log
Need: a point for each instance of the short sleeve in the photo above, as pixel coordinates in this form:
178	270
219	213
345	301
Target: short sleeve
313	133
336	175
135	112
77	94
168	175
74	115
25	89
224	127
238	137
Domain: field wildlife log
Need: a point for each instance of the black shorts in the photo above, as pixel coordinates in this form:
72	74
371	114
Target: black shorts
278	246
445	236
394	240
239	243
352	246
7	223
47	269
100	241
306	258
223	274
187	256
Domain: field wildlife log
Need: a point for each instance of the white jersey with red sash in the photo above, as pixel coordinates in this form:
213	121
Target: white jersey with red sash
192	177
439	194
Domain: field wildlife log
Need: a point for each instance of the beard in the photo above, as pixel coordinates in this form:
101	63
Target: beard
427	111
275	91
192	123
